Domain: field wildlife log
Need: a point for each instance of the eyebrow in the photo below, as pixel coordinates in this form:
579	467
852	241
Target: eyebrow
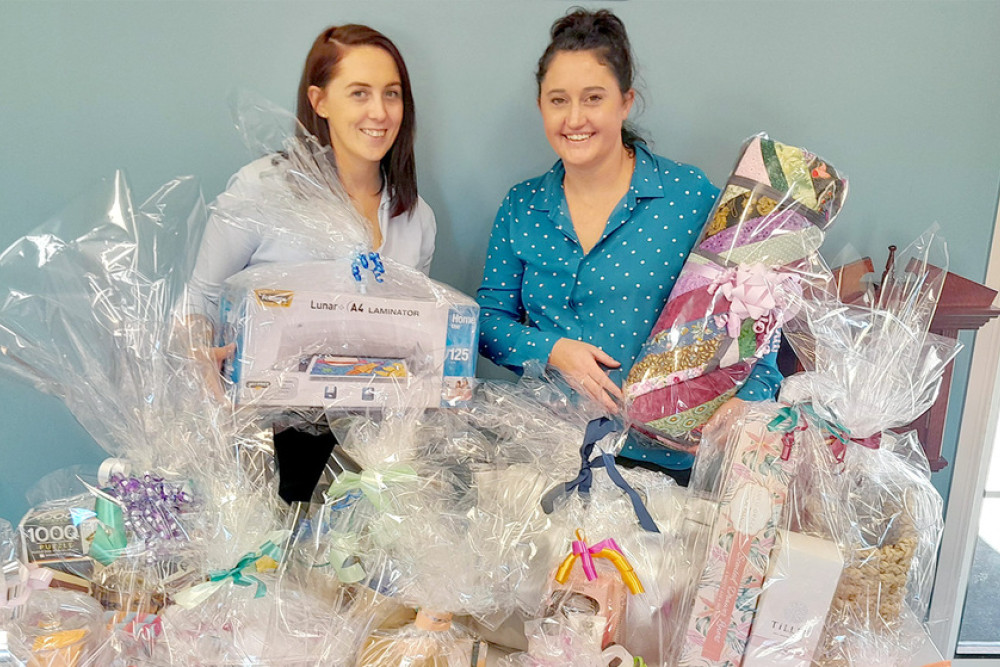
362	84
588	89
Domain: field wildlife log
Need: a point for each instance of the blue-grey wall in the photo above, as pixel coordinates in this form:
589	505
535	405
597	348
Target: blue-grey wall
902	96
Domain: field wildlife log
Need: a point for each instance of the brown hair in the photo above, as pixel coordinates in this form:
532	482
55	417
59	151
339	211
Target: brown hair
321	65
603	33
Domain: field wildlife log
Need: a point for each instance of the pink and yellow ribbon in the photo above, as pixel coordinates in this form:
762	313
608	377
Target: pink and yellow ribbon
607	549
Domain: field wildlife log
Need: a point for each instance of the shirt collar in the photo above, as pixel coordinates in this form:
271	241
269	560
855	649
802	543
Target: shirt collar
646	180
646	183
549	192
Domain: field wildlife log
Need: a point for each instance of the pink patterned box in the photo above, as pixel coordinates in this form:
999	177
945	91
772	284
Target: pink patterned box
753	497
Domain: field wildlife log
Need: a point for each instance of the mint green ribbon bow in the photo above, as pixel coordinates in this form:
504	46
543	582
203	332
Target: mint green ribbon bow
372	483
343	549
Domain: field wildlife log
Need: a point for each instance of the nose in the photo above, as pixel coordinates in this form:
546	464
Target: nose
576	115
376	109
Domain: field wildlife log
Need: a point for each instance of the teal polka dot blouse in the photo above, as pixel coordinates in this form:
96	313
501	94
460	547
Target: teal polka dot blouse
539	286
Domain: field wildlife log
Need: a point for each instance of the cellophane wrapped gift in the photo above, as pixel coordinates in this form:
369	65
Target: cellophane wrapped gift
614	552
824	544
181	539
748	473
64	628
872	370
334	324
736	289
92	312
414	517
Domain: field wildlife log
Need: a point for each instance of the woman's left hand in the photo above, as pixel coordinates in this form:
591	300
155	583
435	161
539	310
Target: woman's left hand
580	363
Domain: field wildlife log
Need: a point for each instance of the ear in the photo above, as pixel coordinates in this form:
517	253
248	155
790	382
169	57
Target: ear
629	100
317	98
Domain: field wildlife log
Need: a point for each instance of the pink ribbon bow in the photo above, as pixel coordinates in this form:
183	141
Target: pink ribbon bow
750	292
586	554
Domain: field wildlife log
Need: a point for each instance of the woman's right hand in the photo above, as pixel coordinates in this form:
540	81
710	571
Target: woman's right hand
581	364
210	360
196	336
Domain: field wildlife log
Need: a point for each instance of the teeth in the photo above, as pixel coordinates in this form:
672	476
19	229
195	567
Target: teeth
578	137
373	133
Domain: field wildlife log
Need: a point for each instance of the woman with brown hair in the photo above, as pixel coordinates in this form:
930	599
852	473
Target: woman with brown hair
582	258
355	97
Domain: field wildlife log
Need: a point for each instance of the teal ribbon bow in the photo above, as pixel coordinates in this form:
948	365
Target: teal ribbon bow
793	418
239	577
195	595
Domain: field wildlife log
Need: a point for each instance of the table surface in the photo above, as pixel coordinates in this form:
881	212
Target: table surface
927	655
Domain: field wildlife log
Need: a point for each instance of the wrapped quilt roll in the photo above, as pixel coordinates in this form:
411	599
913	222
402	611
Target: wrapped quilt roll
759	246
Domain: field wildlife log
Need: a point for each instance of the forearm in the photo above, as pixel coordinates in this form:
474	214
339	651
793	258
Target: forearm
506	341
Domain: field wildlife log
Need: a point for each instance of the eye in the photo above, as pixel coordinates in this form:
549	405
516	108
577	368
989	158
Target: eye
594	99
557	101
360	93
393	94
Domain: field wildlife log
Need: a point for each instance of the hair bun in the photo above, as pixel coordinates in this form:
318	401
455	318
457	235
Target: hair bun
581	22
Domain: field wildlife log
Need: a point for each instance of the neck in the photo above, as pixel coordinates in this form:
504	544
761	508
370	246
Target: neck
360	178
601	176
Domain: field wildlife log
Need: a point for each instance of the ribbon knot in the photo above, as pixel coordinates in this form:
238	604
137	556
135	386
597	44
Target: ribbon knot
791	419
750	291
195	595
607	549
788	422
597	429
367	261
371	483
343	549
27	579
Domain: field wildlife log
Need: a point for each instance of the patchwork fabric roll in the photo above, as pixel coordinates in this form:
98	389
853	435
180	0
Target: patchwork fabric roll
758	247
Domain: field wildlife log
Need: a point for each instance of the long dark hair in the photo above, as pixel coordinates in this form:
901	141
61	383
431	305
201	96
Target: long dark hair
603	33
321	65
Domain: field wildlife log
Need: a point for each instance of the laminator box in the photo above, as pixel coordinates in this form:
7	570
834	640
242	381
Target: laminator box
338	348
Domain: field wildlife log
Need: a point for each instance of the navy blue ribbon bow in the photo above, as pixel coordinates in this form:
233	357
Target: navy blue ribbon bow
596	430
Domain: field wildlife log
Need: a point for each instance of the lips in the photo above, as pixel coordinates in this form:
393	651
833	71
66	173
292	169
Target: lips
377	134
578	137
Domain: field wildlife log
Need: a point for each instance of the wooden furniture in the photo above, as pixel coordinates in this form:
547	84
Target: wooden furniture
964	306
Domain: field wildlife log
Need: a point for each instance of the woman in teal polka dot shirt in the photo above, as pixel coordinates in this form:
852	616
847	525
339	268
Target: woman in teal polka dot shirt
582	259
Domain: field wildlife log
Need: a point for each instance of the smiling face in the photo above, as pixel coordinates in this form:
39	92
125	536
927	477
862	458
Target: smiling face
362	104
583	109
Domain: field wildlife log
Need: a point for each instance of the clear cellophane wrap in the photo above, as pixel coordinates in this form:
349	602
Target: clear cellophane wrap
180	540
609	572
758	250
332	323
835	512
439	512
